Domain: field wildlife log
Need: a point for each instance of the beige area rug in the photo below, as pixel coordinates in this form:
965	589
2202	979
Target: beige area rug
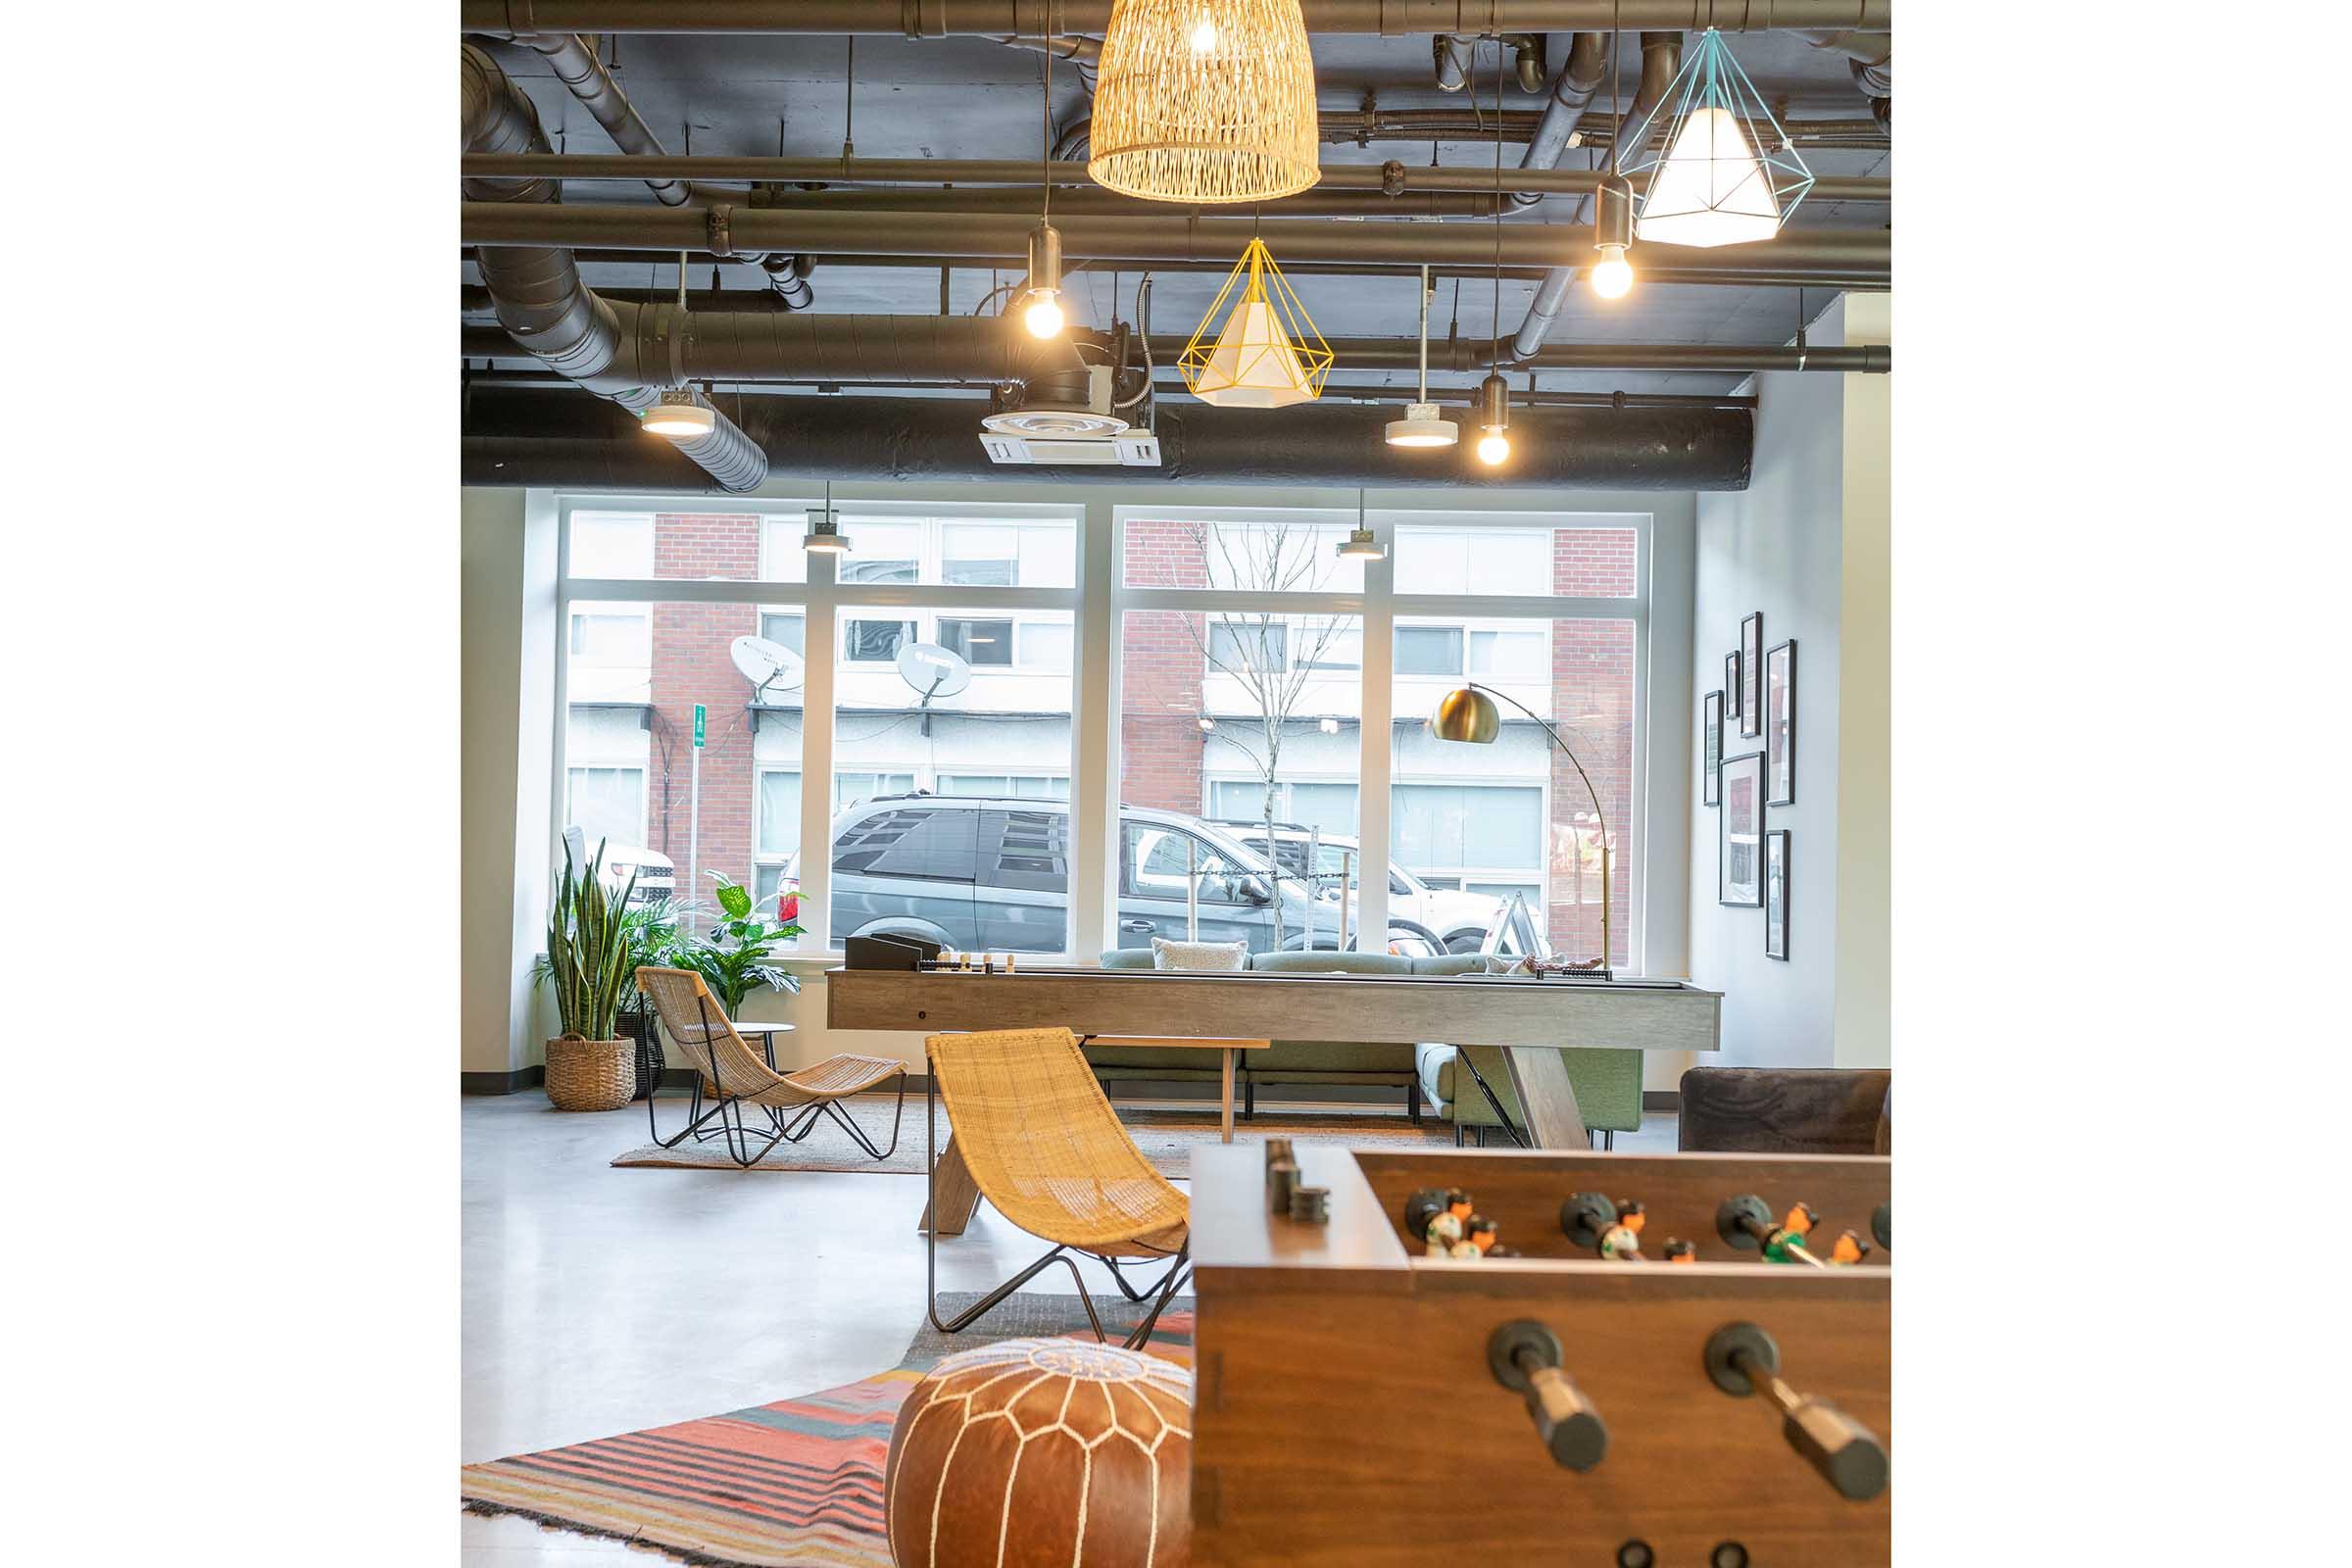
1166	1137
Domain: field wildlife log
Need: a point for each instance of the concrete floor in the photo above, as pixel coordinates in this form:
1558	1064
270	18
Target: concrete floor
600	1301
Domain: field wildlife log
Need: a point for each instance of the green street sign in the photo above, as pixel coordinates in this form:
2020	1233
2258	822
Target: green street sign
698	724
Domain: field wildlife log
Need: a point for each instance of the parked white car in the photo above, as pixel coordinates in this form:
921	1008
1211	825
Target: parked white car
656	874
1460	920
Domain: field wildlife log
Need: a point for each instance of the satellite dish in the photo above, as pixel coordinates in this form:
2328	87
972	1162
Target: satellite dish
765	664
933	670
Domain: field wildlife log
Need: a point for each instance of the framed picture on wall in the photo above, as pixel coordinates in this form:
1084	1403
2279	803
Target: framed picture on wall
1709	790
1739	828
1730	684
1776	894
1751	671
1780	725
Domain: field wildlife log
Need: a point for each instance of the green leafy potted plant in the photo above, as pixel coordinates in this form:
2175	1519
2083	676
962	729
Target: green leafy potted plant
589	1067
733	957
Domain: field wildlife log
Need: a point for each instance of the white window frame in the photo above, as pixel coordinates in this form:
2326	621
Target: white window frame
1380	607
1098	604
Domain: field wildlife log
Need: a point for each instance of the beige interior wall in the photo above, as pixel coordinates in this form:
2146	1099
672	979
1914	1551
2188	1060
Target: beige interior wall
1865	678
505	707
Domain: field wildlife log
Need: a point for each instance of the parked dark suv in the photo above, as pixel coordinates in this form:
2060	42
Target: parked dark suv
992	873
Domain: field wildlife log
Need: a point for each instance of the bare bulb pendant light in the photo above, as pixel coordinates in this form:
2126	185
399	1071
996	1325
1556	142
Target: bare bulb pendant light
1494	395
1612	276
824	535
1205	101
1494	418
1729	176
1041	302
1423	426
1359	545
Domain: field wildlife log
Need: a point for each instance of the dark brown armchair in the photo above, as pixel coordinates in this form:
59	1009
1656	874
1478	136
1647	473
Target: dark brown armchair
1787	1110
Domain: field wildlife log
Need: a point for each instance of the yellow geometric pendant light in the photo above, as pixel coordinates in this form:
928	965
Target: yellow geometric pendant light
1205	101
1267	354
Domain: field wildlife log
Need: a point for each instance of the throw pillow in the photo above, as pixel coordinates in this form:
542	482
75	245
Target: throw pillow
1496	963
1167	955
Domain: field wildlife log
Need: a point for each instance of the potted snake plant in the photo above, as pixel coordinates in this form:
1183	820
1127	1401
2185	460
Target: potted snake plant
589	1067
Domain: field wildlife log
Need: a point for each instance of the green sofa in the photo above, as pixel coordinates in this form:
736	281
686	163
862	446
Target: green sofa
1608	1083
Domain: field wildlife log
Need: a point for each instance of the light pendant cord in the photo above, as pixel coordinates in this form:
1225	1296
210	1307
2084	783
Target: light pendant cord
1494	330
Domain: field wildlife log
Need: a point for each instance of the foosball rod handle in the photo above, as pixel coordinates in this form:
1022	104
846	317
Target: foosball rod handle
1741	1359
1524	1357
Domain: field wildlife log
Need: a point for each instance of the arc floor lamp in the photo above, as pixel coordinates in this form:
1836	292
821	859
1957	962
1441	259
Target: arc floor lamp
1468	714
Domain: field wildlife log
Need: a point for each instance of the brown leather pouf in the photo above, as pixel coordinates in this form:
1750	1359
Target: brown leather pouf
1044	1451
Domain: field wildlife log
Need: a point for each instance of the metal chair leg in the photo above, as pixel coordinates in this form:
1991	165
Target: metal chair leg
1178	1273
897	1119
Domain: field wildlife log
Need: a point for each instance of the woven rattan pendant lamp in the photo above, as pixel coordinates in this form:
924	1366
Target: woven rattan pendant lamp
1205	101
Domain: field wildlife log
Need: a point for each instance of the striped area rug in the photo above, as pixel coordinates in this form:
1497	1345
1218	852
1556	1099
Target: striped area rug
776	1485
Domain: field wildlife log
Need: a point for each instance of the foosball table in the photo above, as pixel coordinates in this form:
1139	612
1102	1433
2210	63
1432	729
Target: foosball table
1595	1361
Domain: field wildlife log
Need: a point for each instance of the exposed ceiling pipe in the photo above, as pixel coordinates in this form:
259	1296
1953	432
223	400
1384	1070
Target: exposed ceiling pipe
709	171
574	63
539	299
1361	128
1455	52
1661	57
1085	51
1579	80
1870	52
725	345
1338	203
997	19
1857	257
547	380
545	438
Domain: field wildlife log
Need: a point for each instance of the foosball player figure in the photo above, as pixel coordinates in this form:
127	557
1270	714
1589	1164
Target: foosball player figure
1678	1250
1458	1205
1480	1233
1849	1248
1790	1235
1622	1242
1445	1230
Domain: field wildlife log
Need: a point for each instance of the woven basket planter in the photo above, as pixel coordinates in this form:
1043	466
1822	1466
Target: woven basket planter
584	1074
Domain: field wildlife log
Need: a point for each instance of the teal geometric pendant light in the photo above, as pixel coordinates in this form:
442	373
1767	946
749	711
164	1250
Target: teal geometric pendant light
1727	174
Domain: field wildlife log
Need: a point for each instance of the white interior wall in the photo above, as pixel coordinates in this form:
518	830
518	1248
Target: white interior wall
1806	544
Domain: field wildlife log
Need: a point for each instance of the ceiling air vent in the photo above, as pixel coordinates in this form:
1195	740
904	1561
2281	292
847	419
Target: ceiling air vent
1134	448
1067	419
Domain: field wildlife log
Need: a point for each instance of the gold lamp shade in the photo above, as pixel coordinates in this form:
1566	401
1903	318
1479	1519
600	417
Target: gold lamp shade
1466	714
1205	101
1267	354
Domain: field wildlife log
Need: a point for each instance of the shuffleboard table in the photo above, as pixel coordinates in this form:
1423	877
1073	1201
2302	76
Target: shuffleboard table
1530	1018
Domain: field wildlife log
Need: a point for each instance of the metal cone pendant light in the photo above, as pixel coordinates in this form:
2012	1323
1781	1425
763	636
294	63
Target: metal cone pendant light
1267	354
1205	101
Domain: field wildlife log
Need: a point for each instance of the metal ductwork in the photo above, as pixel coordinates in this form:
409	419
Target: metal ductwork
1871	53
574	63
1571	93
539	299
1661	57
551	439
998	18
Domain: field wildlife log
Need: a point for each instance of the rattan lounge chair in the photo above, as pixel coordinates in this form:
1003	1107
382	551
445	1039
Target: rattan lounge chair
794	1102
1044	1146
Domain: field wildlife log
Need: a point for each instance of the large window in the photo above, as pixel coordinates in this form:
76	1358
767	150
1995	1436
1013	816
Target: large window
1270	696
